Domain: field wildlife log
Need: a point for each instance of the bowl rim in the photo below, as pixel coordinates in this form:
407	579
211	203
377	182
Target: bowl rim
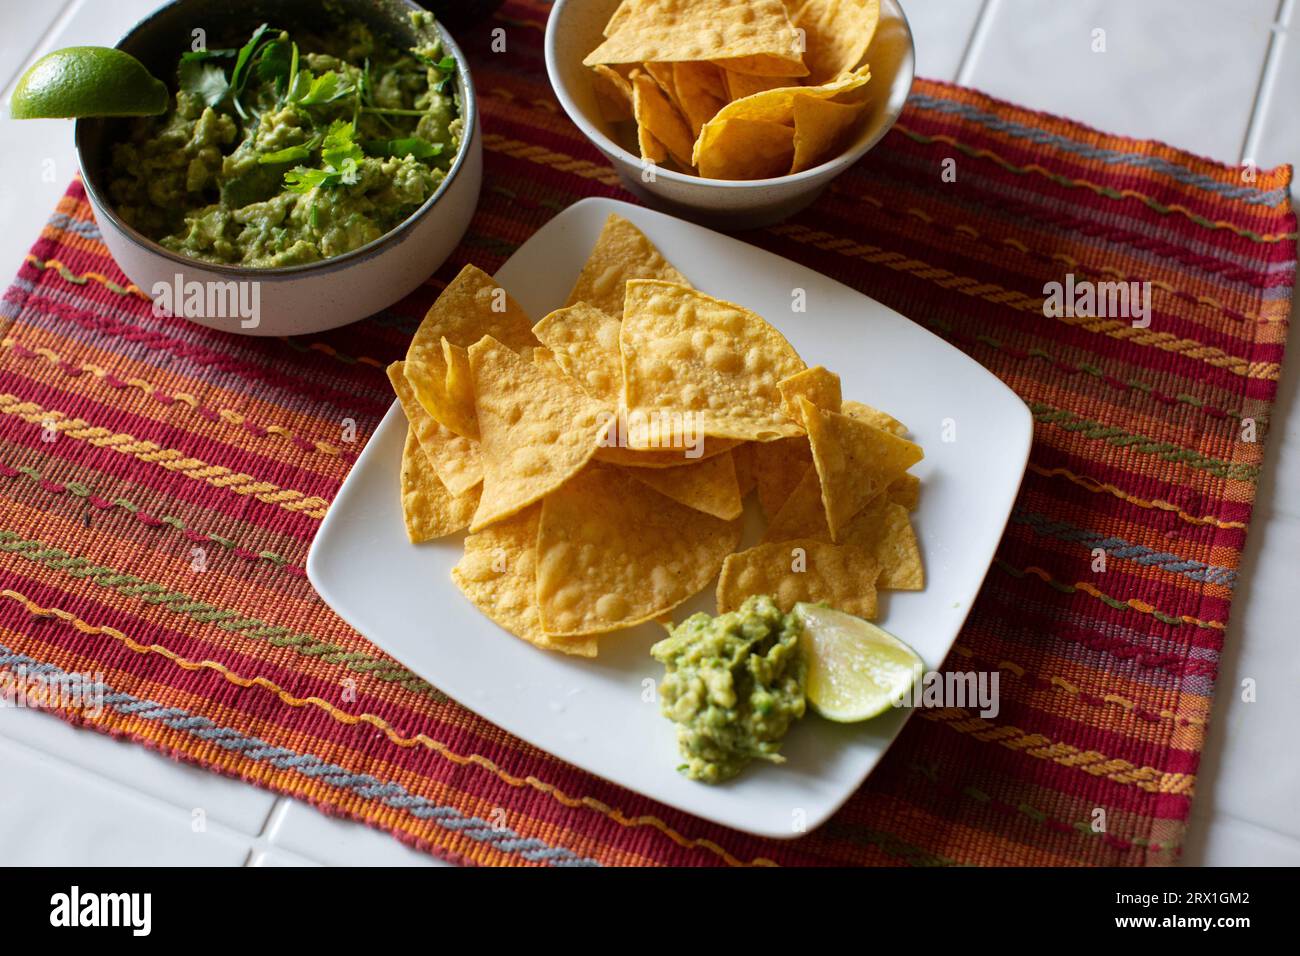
469	114
607	145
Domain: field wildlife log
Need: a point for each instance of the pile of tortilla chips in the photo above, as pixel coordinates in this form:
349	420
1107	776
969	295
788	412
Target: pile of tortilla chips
599	458
736	89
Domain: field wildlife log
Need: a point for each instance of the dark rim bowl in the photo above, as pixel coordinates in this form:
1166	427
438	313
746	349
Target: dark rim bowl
158	40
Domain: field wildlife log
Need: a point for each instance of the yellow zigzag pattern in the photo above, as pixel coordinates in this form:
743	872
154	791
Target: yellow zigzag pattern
1090	761
991	292
149	388
173	460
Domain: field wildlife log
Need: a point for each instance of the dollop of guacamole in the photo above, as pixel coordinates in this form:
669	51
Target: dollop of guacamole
291	149
734	685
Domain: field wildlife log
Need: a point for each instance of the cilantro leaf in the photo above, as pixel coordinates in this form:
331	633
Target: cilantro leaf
301	179
326	88
205	80
341	156
246	51
407	146
274	63
291	154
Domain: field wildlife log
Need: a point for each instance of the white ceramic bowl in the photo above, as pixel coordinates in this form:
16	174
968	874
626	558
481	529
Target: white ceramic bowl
293	300
574	30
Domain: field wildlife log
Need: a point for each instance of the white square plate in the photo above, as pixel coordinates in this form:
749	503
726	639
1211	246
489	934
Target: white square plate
593	713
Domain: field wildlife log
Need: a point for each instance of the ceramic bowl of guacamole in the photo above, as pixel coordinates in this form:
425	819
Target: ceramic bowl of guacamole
317	161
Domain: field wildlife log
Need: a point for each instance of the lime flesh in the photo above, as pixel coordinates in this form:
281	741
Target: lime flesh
87	81
856	670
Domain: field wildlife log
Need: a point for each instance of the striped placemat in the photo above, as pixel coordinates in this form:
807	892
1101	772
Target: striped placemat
160	485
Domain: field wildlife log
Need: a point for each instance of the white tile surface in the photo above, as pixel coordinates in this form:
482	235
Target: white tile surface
337	842
25	25
1183	71
1278	137
1186	71
52	813
227	801
1226	841
945	27
1250	766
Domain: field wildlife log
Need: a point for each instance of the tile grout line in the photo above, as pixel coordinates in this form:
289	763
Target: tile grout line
57	26
975	42
121	789
1264	89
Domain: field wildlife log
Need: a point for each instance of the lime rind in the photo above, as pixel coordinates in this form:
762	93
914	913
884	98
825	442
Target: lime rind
855	670
87	81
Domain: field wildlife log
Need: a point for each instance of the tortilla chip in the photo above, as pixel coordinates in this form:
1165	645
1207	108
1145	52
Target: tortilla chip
584	343
538	430
471	306
785	67
617	18
874	416
691	360
743	457
837	34
747	149
662	74
881	529
455	460
821	129
819	386
855	461
700	93
622	252
428	508
612	553
498	573
613	93
656	114
778	466
775	106
671	30
802	514
650	148
710	486
905	491
740	85
665	457
804	569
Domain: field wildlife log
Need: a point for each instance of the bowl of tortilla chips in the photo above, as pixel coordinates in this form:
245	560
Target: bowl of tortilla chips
736	113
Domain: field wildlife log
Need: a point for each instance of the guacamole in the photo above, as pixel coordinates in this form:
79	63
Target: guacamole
734	685
290	149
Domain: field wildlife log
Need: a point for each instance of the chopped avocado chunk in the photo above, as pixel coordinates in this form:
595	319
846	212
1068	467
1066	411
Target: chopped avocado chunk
734	685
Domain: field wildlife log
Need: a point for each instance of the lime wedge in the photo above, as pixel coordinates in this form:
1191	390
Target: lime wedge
87	81
856	671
